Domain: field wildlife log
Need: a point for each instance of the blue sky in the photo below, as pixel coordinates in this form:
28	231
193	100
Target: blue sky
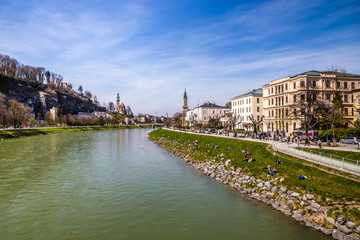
149	51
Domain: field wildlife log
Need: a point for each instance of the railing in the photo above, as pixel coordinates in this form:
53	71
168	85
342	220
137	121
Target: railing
329	160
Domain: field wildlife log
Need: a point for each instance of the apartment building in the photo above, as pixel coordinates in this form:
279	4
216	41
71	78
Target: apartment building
356	98
281	96
248	105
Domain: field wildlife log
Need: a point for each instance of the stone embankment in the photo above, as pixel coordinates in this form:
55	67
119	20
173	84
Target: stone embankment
302	207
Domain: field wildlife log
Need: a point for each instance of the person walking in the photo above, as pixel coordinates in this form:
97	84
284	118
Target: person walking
319	142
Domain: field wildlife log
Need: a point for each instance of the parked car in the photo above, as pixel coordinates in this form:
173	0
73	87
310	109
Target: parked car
352	140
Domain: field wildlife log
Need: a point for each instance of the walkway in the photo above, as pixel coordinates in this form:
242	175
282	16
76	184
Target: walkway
344	165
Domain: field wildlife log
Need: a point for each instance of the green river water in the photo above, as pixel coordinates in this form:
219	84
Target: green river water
118	185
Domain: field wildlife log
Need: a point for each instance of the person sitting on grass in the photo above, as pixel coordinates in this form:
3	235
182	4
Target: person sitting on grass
278	162
228	148
301	177
267	168
272	172
245	159
251	160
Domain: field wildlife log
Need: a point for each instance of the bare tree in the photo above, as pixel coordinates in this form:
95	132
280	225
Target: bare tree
233	120
80	89
18	112
96	102
3	110
256	123
129	111
111	107
177	119
88	94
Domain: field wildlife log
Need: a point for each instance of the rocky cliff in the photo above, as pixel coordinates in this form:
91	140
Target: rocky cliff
41	98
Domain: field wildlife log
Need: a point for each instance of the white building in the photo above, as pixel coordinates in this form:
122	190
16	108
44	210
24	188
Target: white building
202	114
248	105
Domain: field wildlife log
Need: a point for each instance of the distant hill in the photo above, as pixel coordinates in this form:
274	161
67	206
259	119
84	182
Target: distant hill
40	98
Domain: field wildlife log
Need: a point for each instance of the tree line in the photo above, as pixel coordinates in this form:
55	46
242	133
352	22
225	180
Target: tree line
12	68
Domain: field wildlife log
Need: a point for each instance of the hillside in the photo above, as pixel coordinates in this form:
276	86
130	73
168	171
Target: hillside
40	98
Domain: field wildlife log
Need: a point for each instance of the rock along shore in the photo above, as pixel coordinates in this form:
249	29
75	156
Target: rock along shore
303	208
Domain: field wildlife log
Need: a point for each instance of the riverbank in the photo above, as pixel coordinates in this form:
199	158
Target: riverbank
8	134
327	200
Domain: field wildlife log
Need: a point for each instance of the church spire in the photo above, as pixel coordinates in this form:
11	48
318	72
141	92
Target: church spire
185	96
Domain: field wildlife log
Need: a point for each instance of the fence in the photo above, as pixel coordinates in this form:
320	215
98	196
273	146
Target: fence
323	158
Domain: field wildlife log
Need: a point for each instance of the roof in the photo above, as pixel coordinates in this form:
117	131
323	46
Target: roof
338	74
185	96
250	92
209	104
122	105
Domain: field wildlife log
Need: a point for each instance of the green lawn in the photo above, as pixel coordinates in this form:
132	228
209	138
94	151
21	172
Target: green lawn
6	134
319	182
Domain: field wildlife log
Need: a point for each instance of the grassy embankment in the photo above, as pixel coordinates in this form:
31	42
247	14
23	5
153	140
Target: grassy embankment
340	192
6	134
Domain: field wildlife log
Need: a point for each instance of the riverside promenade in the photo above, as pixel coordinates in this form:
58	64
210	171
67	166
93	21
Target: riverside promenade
309	153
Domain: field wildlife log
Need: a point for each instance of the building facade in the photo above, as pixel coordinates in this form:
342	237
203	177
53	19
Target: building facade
202	113
356	97
282	96
249	107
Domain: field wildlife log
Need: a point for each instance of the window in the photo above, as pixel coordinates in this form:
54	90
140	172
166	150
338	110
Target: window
352	85
258	118
294	98
286	99
204	111
272	90
295	112
302	83
272	101
346	98
314	97
314	83
204	118
272	113
268	91
294	85
294	126
257	100
327	83
285	87
302	97
338	85
287	127
258	109
328	97
352	111
345	84
346	111
287	112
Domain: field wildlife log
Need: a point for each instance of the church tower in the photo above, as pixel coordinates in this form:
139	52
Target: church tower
185	108
118	103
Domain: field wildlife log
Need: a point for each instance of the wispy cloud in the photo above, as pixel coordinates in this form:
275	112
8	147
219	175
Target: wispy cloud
116	46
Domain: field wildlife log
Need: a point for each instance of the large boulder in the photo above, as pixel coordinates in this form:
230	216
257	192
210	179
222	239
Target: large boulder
336	234
340	219
330	220
350	224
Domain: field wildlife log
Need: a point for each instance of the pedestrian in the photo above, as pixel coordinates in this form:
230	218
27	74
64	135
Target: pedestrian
319	142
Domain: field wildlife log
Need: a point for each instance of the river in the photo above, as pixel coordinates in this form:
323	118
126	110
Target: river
118	185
